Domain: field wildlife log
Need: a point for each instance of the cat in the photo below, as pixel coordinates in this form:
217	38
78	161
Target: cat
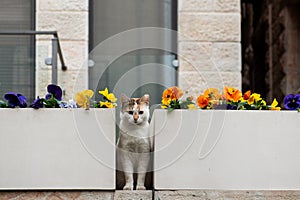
134	143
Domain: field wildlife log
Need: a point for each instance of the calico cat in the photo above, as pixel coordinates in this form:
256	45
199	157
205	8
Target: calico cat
134	143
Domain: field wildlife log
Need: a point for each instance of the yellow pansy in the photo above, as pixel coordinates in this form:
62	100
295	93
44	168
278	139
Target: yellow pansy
166	101
83	98
106	104
164	107
104	92
254	98
109	96
191	106
274	104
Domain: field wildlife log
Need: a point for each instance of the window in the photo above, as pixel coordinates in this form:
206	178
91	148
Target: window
17	52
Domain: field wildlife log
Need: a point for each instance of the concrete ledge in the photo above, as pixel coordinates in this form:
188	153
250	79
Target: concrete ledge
228	195
55	195
147	195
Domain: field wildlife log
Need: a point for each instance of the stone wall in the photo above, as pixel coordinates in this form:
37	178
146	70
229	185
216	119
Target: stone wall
209	44
70	19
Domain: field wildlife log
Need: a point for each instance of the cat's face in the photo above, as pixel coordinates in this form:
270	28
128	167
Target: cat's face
135	110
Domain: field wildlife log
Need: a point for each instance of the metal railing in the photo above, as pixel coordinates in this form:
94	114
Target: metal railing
56	48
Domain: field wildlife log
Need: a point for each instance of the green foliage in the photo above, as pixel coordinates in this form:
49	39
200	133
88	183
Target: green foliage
51	103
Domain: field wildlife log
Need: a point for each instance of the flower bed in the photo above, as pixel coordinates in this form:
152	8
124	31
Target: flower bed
57	148
226	149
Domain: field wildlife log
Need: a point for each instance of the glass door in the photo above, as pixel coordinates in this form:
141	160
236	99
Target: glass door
133	46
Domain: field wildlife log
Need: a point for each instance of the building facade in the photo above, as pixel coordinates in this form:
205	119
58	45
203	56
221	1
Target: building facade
209	49
193	43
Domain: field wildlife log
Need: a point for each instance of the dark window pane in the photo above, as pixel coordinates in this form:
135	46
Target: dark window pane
17	60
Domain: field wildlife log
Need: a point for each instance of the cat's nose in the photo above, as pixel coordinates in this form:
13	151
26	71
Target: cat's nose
135	117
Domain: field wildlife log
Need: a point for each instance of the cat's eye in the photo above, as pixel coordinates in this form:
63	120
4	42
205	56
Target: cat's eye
130	112
141	112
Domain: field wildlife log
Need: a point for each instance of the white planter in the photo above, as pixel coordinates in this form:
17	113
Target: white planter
232	150
57	149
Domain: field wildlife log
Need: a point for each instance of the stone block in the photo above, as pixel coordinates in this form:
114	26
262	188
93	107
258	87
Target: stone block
209	27
133	195
196	82
195	5
75	54
195	56
43	78
180	195
73	81
227	6
69	25
66	5
209	6
227	56
198	56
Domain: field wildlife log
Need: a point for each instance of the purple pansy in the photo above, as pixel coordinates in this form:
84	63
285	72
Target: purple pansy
292	102
15	99
37	103
55	91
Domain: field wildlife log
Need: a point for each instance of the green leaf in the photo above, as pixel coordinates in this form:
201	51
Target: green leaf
170	109
3	104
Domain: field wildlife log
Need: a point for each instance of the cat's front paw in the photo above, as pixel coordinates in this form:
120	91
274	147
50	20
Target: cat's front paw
140	187
128	187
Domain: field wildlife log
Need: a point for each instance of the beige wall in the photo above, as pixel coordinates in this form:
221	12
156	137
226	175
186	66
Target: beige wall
209	44
70	19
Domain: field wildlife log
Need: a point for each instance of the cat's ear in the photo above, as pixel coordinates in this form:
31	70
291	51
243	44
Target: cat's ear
124	98
145	99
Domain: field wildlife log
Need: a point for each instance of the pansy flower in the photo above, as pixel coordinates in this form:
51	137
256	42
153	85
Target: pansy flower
109	96
232	94
202	101
54	91
83	98
37	103
191	106
274	105
291	101
247	95
15	100
212	94
171	94
106	104
254	98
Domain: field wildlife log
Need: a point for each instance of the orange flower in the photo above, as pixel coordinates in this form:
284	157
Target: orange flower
212	94
202	101
232	94
247	95
177	93
172	93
